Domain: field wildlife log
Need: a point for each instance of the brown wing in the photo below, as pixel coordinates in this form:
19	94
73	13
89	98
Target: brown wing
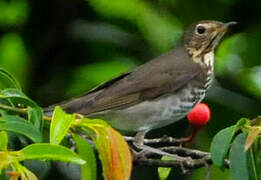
165	74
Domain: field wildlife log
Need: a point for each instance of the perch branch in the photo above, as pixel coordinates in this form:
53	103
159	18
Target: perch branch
194	158
163	140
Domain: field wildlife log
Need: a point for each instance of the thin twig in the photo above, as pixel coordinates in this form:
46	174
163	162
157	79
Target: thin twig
194	158
47	118
189	164
14	109
164	139
23	111
181	151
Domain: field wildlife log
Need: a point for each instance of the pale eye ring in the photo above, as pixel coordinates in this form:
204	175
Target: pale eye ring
200	29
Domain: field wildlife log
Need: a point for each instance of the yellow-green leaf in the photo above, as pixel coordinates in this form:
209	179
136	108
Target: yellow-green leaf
26	174
60	124
45	151
3	141
164	172
241	123
252	136
113	151
7	80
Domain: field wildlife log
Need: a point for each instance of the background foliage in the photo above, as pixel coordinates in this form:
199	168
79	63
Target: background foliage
59	49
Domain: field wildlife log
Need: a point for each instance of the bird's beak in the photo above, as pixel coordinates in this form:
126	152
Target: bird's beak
219	32
224	26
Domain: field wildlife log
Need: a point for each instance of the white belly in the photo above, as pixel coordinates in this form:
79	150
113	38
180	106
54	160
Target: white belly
153	114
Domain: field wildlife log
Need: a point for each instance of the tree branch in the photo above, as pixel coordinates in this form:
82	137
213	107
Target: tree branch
163	140
193	158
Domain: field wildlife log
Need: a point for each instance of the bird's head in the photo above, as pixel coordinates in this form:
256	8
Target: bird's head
204	36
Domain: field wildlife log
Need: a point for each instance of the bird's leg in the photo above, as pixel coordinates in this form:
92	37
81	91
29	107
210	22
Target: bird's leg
138	143
139	139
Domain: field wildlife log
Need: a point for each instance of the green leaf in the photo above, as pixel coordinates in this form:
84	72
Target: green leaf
221	144
113	150
256	155
19	125
7	80
85	151
35	116
35	113
44	151
162	171
242	164
3	141
60	124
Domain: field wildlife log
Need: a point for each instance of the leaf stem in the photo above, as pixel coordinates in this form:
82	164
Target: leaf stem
14	109
20	111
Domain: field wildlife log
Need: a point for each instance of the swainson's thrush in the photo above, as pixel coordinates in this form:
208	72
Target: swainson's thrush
161	91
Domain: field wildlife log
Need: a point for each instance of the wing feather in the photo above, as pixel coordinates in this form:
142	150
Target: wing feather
165	74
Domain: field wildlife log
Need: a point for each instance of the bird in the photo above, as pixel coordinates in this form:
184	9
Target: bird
159	92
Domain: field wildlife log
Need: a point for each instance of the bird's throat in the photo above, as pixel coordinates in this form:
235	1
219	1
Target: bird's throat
205	59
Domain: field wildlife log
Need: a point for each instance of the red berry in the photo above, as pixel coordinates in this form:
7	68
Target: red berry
199	115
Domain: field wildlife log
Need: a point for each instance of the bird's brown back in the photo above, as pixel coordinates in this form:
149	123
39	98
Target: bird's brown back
164	74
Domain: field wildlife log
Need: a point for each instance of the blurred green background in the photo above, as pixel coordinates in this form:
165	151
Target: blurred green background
59	49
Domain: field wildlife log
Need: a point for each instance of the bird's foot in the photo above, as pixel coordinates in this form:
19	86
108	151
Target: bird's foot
138	143
145	149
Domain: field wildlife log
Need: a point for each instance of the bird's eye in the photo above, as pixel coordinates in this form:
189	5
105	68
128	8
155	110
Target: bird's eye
201	29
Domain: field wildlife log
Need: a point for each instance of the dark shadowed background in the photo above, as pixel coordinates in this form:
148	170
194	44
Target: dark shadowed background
58	49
